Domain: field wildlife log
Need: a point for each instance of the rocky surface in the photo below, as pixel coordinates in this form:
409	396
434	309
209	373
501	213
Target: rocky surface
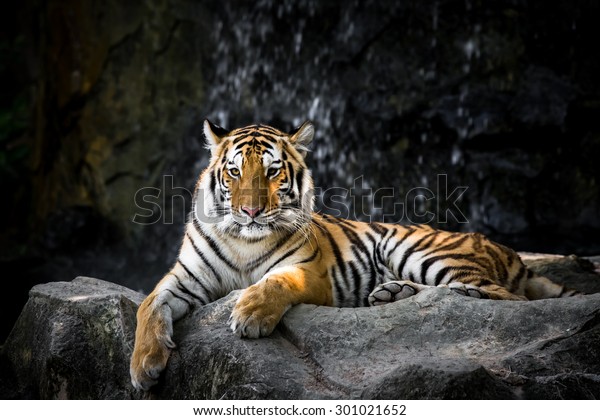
73	340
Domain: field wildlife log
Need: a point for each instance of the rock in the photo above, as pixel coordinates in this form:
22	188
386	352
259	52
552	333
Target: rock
74	340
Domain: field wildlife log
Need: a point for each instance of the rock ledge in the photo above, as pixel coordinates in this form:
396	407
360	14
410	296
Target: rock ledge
74	340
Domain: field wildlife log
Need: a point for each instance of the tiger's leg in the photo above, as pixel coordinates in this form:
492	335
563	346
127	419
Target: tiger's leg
482	289
261	306
402	289
172	298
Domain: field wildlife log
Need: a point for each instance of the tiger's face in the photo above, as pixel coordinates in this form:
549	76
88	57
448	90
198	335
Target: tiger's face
257	183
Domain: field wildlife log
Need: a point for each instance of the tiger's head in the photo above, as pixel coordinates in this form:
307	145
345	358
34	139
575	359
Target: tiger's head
257	183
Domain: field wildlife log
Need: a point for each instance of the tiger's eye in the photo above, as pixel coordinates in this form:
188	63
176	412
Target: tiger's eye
235	172
271	172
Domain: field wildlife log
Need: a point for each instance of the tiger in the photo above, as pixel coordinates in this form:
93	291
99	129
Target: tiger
253	227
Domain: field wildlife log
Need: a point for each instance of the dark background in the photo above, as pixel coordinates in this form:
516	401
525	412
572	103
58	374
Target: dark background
99	99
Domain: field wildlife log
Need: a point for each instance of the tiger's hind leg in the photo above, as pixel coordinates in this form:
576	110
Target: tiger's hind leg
393	291
402	289
482	289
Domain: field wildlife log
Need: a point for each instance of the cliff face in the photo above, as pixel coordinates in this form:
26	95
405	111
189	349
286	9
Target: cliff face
74	340
500	97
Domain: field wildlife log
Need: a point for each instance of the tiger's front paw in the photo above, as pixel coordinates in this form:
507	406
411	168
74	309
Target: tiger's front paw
152	349
256	313
147	363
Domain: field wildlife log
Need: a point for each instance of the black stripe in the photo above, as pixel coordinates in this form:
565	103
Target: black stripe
502	272
242	138
282	241
452	236
348	230
213	182
448	247
213	246
175	295
357	245
357	282
190	274
377	255
286	255
300	180
336	283
344	223
336	252
290	155
203	258
410	250
376	267
426	244
268	129
357	254
432	260
244	130
444	271
511	256
329	218
266	145
409	232
241	144
465	271
486	262
377	228
291	177
184	289
190	303
385	242
515	280
477	238
181	287
312	257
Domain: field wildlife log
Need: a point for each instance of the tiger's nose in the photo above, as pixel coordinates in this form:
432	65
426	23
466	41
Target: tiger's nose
252	212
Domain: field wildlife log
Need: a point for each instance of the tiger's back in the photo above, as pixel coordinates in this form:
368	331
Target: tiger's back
253	227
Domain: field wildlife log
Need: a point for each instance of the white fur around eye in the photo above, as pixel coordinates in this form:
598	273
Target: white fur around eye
267	160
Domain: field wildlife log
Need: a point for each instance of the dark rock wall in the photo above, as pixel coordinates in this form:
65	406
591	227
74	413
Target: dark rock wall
503	97
500	97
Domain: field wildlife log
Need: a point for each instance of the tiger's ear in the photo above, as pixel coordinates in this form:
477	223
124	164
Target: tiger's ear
302	136
214	135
